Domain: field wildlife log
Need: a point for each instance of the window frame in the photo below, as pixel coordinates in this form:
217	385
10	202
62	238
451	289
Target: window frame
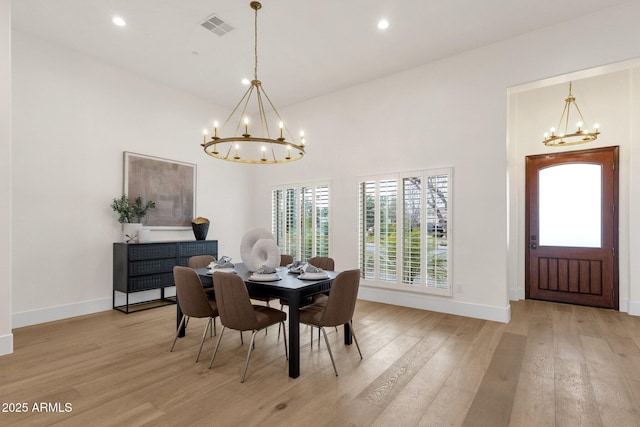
280	229
373	278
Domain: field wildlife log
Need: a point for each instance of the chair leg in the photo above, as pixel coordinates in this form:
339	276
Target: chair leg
284	334
178	332
217	345
246	365
354	338
326	340
279	325
204	335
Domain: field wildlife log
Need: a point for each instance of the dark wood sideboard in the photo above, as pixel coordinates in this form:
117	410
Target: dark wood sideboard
144	266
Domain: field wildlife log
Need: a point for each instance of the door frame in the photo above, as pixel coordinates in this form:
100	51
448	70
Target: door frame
615	150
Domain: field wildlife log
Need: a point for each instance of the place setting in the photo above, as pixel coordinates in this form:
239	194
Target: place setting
306	271
265	274
223	265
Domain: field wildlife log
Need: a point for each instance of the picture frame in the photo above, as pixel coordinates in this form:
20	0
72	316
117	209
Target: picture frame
171	184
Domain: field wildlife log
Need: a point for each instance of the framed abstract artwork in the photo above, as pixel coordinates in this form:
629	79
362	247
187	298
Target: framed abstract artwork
169	183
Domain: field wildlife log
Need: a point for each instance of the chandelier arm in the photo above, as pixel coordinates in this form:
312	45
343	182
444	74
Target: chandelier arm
248	92
263	115
580	114
562	118
273	107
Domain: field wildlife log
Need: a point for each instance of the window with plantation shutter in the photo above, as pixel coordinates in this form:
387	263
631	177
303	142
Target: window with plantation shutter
367	232
300	220
411	233
321	229
405	232
387	201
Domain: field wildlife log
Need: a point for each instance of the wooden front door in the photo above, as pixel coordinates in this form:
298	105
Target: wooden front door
572	227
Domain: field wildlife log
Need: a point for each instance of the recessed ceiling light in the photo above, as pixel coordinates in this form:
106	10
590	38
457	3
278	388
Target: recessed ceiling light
118	21
245	81
383	24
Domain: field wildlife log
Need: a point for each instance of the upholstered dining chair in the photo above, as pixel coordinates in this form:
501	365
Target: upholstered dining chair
202	261
323	262
338	309
193	302
285	260
237	312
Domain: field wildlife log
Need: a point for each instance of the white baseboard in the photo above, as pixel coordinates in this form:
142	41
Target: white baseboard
633	308
426	302
6	344
49	314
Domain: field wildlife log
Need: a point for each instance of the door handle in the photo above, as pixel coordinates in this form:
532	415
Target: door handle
533	246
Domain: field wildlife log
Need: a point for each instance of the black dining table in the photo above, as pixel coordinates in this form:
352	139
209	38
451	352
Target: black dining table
291	288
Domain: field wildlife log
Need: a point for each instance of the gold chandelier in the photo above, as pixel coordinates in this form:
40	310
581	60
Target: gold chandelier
580	136
245	148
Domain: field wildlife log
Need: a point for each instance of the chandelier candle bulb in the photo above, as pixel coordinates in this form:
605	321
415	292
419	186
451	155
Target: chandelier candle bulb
237	149
215	129
281	126
204	136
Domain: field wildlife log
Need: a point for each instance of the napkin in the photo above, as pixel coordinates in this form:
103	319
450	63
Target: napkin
224	262
297	267
308	268
265	270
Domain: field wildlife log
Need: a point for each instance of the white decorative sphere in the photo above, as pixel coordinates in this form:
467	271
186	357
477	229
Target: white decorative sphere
259	249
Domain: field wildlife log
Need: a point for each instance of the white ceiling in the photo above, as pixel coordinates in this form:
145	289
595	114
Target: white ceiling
305	48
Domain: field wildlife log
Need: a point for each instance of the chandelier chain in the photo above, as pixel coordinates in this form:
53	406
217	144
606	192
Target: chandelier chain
255	45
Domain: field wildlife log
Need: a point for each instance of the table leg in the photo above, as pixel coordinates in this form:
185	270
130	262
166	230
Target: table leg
348	338
294	337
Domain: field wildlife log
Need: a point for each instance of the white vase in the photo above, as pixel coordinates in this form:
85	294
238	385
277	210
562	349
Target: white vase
131	232
144	235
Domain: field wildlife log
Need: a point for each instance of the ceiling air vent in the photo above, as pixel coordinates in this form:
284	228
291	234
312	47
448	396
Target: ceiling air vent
216	25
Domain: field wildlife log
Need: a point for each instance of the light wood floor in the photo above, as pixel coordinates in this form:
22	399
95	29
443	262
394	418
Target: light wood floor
552	365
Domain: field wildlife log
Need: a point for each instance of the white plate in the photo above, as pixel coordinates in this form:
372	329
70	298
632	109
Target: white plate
264	277
313	276
222	270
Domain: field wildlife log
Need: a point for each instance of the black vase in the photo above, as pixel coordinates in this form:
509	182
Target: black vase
200	230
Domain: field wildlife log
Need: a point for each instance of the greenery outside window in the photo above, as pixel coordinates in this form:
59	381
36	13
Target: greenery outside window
405	232
300	220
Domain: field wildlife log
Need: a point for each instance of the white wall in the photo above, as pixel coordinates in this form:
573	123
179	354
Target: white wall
72	119
6	337
448	113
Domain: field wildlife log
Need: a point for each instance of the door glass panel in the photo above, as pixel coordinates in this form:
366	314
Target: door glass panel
570	205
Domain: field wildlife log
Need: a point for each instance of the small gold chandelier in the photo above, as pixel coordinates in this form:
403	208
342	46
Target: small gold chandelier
580	136
245	148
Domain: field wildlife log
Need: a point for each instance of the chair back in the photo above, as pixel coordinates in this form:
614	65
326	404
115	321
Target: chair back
191	296
322	262
201	261
285	260
342	298
234	304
